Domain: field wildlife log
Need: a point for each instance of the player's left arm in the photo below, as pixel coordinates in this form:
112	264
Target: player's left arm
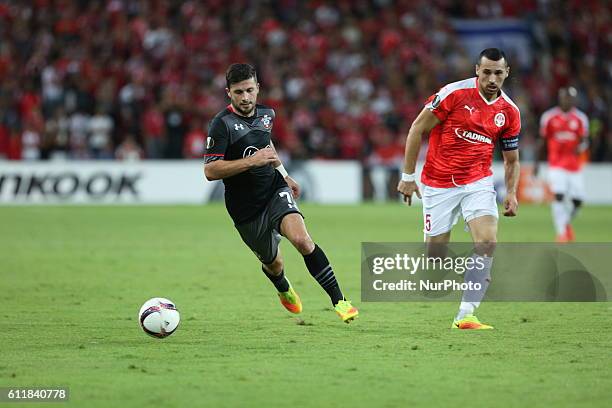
584	134
512	169
540	155
293	185
541	144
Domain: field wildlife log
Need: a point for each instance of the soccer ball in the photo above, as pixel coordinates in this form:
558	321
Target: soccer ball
158	317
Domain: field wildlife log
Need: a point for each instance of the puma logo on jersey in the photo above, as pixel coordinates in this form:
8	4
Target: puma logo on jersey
468	108
238	126
472	137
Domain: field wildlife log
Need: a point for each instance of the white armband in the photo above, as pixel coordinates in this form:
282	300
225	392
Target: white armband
281	170
408	177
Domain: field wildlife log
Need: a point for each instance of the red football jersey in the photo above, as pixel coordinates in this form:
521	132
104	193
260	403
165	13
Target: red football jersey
461	146
563	132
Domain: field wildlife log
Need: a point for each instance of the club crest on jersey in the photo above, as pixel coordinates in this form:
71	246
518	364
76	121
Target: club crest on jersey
266	121
210	142
472	137
500	120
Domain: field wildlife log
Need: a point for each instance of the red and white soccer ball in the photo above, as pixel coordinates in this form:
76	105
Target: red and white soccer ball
159	317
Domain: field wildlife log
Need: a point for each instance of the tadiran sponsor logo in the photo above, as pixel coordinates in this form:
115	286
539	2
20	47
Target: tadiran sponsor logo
472	137
65	185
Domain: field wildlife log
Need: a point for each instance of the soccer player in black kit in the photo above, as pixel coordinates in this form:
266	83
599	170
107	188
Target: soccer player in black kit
259	194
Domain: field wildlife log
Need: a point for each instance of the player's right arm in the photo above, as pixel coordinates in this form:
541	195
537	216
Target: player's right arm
584	133
540	153
215	165
422	124
220	169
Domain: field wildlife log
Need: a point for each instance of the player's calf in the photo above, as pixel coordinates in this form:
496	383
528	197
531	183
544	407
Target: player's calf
576	204
561	217
321	270
276	274
478	276
569	230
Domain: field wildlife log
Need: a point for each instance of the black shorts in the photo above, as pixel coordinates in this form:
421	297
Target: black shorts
262	234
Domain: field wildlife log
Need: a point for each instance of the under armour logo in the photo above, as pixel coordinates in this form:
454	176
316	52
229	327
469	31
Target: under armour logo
239	126
468	108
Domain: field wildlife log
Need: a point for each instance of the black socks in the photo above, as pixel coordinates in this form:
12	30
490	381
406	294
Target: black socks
320	269
279	281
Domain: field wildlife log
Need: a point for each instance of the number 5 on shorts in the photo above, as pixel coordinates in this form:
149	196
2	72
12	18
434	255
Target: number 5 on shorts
427	222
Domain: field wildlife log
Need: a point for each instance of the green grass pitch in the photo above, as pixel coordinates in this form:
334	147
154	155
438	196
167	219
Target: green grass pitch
73	278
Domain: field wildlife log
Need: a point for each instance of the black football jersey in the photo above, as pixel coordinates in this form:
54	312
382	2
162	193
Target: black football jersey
234	137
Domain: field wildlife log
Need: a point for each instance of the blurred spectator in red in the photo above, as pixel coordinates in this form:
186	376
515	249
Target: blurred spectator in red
153	66
387	154
153	130
4	142
195	140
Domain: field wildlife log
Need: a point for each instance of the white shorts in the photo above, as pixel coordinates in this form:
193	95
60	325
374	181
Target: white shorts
566	182
442	206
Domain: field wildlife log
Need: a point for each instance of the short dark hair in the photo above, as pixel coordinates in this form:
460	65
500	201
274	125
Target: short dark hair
493	54
239	72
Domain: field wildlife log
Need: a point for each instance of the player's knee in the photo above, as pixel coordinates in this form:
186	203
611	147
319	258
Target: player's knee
559	197
437	250
437	245
485	246
577	203
303	243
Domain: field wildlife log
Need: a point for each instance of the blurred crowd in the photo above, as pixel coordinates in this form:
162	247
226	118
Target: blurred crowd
132	79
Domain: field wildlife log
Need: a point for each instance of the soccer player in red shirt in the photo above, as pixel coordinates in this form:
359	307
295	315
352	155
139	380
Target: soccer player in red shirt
565	130
466	119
